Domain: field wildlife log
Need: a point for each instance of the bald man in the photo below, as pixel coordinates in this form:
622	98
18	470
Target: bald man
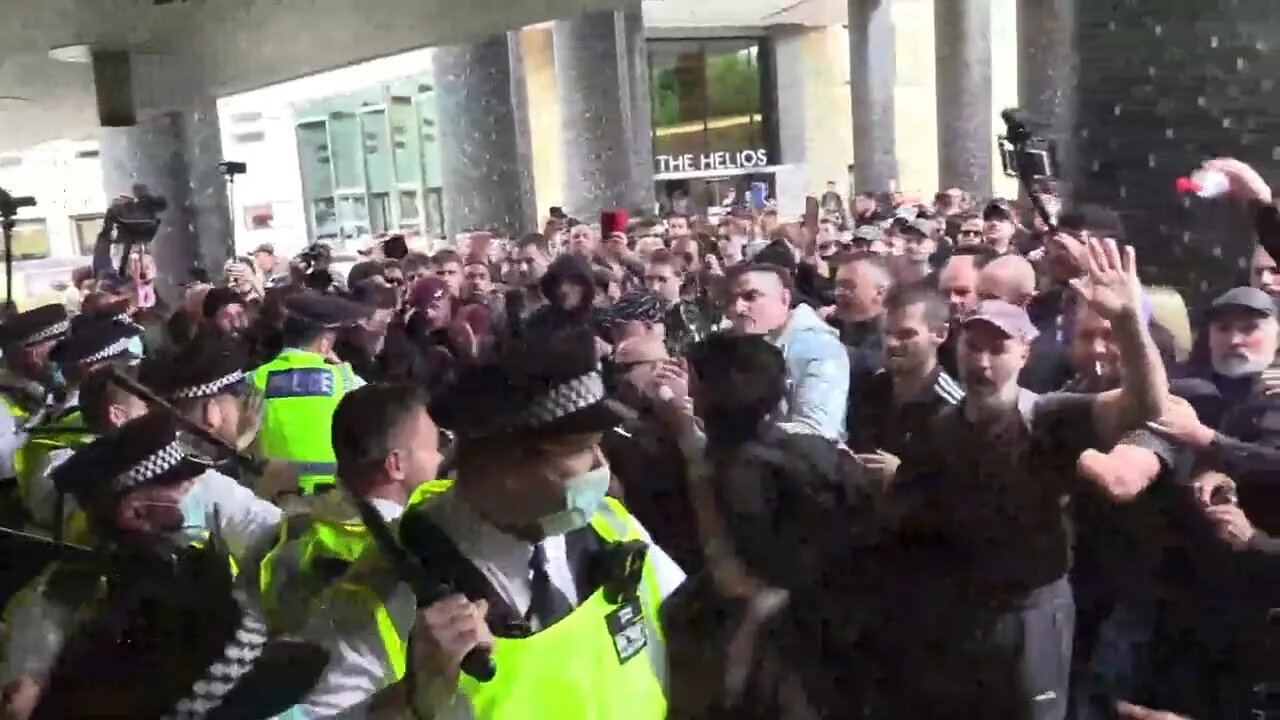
1010	278
958	283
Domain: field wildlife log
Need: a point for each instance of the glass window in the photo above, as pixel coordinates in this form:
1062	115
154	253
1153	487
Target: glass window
313	153
409	209
379	212
430	133
708	111
259	217
377	151
406	142
324	216
86	229
30	240
353	216
345	138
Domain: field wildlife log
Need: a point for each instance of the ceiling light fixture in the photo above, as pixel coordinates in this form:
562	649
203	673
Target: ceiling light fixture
72	54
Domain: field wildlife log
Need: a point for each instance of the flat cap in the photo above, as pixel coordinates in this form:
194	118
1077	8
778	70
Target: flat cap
209	366
143	451
94	340
325	311
543	383
42	324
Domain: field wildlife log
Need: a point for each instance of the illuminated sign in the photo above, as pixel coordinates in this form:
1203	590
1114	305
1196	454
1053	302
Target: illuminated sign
688	162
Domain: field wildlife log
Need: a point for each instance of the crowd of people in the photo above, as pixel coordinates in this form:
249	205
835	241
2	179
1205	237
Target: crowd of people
889	460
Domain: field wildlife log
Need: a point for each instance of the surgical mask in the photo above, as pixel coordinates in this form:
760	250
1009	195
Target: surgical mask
135	347
193	525
58	377
583	495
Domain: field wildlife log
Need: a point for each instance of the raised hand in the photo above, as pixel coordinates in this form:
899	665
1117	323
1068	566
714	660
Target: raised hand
1245	182
1110	286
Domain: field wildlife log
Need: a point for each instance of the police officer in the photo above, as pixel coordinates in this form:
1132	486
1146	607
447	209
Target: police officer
92	343
559	581
26	377
301	387
138	486
387	450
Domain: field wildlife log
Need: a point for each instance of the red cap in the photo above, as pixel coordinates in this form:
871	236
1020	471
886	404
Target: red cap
1187	185
613	221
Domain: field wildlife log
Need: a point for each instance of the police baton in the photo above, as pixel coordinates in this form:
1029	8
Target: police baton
478	662
155	402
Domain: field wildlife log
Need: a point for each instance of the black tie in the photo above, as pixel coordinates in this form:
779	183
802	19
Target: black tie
546	602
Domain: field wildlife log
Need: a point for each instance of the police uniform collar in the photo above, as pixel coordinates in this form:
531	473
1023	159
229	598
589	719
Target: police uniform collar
47	322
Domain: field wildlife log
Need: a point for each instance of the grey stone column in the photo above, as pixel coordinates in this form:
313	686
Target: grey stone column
872	75
963	32
175	153
604	102
484	129
1049	74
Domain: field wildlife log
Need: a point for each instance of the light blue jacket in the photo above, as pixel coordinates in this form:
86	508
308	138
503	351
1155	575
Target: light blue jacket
817	376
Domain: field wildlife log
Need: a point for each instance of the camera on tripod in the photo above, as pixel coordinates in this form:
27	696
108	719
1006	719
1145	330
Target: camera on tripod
10	205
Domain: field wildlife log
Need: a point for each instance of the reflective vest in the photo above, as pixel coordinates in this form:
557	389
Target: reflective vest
300	392
32	461
583	667
311	553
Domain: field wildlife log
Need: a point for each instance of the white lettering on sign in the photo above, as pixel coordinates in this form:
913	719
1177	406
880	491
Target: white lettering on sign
737	160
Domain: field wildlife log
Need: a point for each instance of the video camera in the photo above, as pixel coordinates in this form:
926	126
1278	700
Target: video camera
10	205
1028	158
130	220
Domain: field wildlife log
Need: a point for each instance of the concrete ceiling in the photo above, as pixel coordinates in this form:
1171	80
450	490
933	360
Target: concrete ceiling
229	45
744	13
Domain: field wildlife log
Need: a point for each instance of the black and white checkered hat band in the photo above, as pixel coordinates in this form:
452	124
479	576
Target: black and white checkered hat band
210	389
116	348
152	466
237	660
564	399
49	333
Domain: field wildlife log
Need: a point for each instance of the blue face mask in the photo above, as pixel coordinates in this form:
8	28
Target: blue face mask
59	379
193	526
135	347
583	495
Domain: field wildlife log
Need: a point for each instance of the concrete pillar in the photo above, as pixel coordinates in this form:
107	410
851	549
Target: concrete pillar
484	131
977	69
545	126
605	106
1049	73
174	149
175	153
871	80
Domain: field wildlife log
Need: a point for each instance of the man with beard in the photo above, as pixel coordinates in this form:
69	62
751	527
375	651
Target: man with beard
224	309
1235	420
898	402
984	549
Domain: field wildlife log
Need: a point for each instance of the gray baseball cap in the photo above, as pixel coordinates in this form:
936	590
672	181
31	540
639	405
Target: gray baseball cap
1005	317
1248	298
